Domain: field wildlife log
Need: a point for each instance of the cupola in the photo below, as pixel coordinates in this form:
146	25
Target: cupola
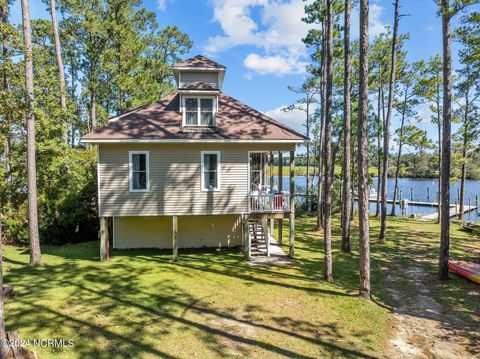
199	81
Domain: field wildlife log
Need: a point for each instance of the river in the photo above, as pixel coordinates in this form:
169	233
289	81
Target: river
419	187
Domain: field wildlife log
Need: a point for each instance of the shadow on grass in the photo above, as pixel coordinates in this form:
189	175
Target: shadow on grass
126	307
115	290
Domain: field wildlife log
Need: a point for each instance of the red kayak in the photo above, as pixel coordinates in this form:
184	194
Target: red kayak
469	270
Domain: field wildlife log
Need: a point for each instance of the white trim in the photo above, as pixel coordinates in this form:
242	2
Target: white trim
193	69
98	179
199	91
199	110
149	140
219	174
130	169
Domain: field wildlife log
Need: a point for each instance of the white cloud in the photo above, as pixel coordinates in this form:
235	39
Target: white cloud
277	33
376	26
162	5
276	65
293	119
430	28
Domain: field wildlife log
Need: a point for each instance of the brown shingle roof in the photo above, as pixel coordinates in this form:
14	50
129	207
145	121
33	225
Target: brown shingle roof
162	120
198	85
199	61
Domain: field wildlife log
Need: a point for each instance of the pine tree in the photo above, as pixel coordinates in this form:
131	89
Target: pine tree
35	254
328	203
386	127
346	184
363	195
61	74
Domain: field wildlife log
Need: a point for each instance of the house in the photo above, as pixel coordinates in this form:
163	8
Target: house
190	170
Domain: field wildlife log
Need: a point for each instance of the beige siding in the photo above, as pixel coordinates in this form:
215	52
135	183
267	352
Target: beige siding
175	179
209	231
210	78
193	231
142	232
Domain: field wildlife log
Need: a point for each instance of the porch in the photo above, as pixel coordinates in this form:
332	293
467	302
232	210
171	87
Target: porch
269	203
266	196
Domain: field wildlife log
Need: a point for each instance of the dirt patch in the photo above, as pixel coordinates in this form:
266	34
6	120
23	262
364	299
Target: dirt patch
422	328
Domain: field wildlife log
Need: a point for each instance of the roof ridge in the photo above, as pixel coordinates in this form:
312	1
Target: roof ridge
200	58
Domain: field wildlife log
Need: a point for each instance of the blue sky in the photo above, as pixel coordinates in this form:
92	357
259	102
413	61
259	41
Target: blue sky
260	42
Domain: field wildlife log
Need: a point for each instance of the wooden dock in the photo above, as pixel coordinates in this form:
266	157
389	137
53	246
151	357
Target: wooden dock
454	209
410	203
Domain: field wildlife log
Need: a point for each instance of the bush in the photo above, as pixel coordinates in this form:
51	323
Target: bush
67	199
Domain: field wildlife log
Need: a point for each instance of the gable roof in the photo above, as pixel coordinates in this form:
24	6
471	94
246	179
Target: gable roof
161	121
199	61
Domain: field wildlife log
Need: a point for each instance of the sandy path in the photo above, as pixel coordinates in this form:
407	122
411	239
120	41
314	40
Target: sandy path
422	327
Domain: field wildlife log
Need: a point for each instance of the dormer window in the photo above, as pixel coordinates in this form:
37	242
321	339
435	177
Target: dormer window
199	111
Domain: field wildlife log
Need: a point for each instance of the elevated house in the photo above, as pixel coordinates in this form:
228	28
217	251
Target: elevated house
190	170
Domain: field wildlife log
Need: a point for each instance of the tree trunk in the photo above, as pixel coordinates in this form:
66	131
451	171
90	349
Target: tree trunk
73	75
399	154
439	127
35	254
8	160
352	184
446	154
6	86
321	143
346	184
93	109
327	234
379	151
462	186
386	127
61	74
364	231
3	335
307	188
464	156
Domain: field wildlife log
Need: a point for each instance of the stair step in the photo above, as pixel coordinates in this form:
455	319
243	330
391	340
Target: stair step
258	240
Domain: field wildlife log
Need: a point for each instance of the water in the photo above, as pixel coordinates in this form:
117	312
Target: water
420	188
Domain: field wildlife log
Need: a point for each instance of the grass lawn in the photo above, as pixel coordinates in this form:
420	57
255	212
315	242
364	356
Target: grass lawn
213	304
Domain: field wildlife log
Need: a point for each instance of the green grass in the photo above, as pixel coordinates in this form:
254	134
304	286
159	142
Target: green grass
213	304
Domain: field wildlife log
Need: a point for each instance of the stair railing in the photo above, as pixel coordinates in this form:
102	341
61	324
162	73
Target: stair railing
266	235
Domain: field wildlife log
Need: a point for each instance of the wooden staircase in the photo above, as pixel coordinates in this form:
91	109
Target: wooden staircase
257	237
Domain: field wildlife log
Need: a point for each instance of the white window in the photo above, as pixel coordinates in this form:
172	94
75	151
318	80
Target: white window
210	170
199	111
139	176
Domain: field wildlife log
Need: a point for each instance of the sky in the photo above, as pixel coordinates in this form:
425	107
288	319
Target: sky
259	41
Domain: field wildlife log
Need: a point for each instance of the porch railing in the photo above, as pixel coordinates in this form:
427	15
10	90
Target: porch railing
262	202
